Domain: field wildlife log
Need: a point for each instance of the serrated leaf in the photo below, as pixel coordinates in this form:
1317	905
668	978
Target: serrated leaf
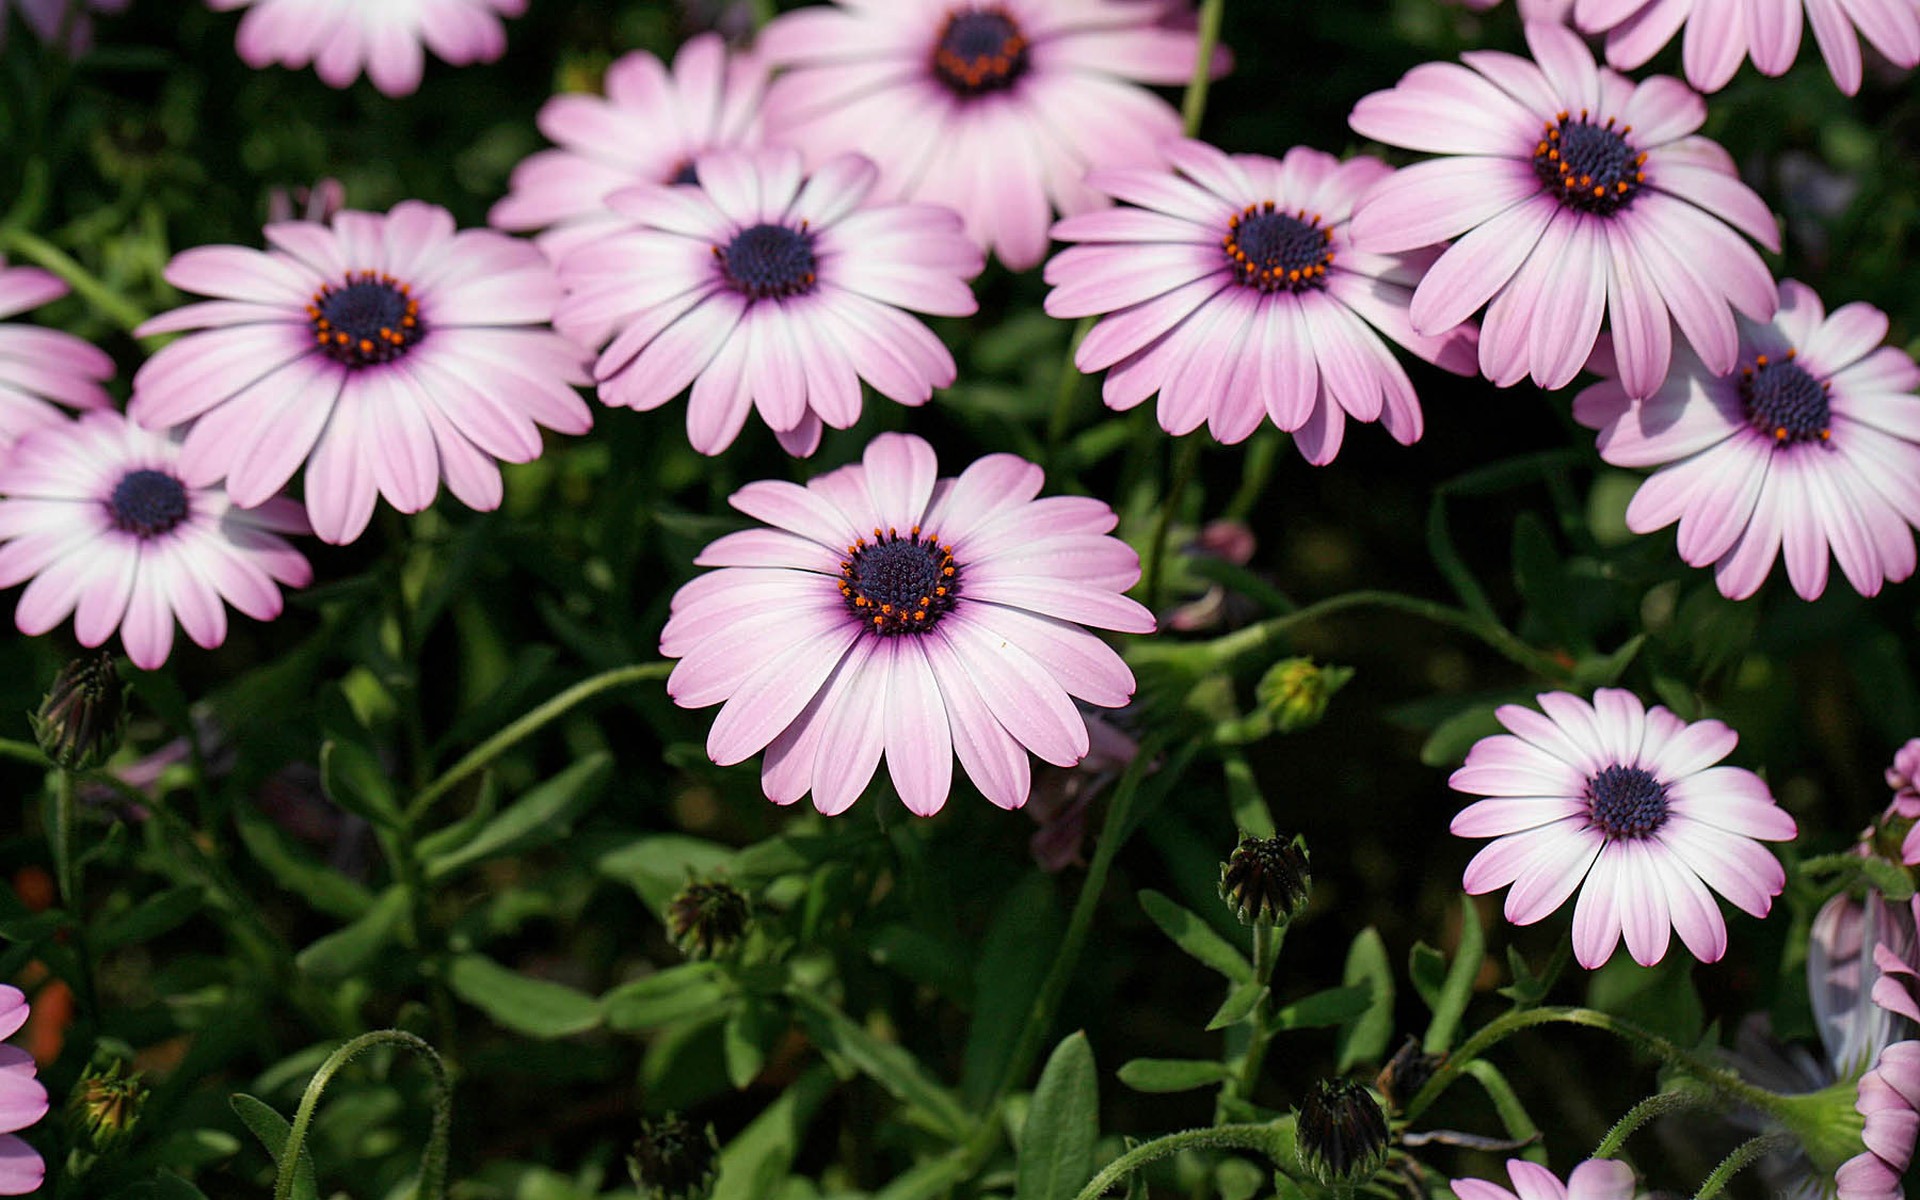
345	951
1240	1002
273	1130
1365	1038
545	813
1171	1074
538	1008
1063	1123
1332	1006
664	997
1196	937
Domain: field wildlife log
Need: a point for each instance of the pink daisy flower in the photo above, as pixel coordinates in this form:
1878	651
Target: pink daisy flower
1530	10
383	351
890	612
1595	1179
98	515
995	109
42	369
1811	443
387	40
1235	292
23	1100
1575	195
761	287
1904	778
69	22
649	128
1624	803
1719	33
1889	1100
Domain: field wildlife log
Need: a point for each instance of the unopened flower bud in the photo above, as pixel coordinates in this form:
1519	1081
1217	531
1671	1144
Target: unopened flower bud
1295	692
708	918
105	1105
672	1160
84	717
1341	1133
1266	879
1405	1074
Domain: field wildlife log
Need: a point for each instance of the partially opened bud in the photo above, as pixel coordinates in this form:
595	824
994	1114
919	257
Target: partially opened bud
708	918
1266	880
1341	1133
84	716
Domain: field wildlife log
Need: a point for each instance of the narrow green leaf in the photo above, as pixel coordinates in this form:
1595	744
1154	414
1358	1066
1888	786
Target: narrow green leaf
1513	1114
1365	1038
273	1130
545	814
658	866
1427	971
1240	1002
690	989
891	1066
354	779
345	951
1063	1123
448	838
1171	1074
1458	989
537	1008
758	1158
1196	937
1333	1006
297	872
1009	968
150	918
744	1039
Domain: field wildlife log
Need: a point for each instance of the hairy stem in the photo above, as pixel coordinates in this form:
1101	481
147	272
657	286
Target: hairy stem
433	1165
1742	1157
1656	1105
1262	1139
1193	106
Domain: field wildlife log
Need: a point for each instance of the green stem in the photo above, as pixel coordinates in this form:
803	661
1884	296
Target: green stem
1267	940
1502	1027
1656	1105
1268	633
89	286
1067	387
530	723
1193	106
433	1166
1186	462
1743	1156
1264	1139
61	835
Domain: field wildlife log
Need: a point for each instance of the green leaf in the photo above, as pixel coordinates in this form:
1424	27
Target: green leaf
1331	1006
758	1158
1365	1039
1606	670
1196	937
546	813
1891	878
749	1028
537	1008
449	838
298	872
1238	1179
353	778
690	989
658	867
345	951
149	919
1171	1074
273	1131
1659	998
1458	988
1010	968
1240	1002
1447	745
1427	971
1063	1123
889	1065
165	1185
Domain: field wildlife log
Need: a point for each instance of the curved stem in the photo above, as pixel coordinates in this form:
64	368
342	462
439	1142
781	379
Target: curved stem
1260	636
1263	1139
1067	387
529	724
433	1166
1193	106
1742	1156
1186	462
1657	1105
124	312
1500	1028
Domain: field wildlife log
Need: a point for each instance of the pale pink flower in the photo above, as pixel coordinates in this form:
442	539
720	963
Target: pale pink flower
891	612
42	369
649	128
1594	1179
1625	804
1575	195
1530	10
383	352
1233	290
1889	1099
995	109
98	515
760	286
1904	778
387	39
1719	33
1808	445
23	1100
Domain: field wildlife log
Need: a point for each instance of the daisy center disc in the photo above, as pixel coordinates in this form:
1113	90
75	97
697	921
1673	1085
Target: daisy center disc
369	318
980	51
767	262
1626	802
897	584
1276	251
147	503
1587	167
1784	402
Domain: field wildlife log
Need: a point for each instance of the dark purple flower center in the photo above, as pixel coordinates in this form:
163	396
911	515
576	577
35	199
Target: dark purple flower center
896	584
980	50
370	318
1784	402
766	262
147	503
1626	802
1276	251
1588	167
